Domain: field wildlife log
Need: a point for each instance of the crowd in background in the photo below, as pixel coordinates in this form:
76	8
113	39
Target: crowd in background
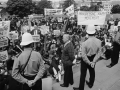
51	46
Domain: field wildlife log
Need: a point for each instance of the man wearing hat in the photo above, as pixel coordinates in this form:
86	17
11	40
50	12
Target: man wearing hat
116	48
32	63
90	54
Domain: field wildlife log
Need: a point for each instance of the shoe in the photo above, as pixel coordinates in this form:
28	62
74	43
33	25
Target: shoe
75	88
62	85
71	83
89	85
57	80
111	65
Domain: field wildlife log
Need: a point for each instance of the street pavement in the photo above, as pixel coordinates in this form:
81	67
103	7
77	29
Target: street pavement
106	78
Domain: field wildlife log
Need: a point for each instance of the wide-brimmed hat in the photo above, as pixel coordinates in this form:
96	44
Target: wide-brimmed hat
91	29
26	39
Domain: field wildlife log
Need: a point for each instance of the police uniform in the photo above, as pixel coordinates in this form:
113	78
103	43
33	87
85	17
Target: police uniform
90	53
35	67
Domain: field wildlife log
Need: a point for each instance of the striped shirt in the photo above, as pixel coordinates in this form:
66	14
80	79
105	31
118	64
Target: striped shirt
35	66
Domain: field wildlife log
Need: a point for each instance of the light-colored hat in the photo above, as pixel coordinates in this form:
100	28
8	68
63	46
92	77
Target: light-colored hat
91	29
118	23
26	39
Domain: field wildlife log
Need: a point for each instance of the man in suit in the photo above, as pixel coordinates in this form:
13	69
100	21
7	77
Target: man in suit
90	53
67	60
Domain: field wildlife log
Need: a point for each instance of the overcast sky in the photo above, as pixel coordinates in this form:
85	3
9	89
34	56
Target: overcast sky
35	0
50	0
3	0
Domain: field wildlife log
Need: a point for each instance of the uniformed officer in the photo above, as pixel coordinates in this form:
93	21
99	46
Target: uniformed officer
90	54
34	69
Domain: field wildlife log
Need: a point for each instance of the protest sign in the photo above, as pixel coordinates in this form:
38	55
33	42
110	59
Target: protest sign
53	11
3	41
4	28
113	16
44	29
59	19
56	32
91	17
30	16
70	11
13	35
36	38
4	56
35	16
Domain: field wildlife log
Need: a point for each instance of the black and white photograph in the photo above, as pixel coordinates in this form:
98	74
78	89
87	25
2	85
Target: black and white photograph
59	44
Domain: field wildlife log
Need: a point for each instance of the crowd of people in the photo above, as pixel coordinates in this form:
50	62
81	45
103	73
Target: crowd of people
54	55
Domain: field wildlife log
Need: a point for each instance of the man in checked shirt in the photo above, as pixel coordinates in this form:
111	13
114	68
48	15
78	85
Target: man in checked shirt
35	68
90	54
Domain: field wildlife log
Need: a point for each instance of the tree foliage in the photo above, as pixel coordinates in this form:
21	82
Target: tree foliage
20	7
115	9
93	7
41	5
84	8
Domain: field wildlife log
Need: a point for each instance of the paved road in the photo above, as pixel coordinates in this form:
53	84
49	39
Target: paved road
106	78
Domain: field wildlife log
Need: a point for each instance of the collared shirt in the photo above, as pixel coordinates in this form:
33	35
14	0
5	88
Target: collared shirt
90	47
35	66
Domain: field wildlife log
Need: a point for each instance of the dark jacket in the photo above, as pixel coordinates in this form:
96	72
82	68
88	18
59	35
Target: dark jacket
68	55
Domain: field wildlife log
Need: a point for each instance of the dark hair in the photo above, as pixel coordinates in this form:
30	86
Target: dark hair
91	34
28	46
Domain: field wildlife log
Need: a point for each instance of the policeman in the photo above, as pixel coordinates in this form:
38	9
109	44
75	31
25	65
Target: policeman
34	69
90	54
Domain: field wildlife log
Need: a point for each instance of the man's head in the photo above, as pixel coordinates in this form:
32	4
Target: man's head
91	30
66	37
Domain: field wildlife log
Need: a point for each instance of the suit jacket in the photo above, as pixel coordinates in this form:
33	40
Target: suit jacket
68	55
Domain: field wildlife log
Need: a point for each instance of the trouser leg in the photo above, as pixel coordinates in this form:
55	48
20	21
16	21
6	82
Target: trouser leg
68	76
115	53
92	75
83	75
38	85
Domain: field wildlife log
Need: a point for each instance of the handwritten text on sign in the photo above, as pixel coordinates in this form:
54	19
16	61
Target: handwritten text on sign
13	35
53	11
91	17
4	28
70	11
3	41
4	56
36	38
